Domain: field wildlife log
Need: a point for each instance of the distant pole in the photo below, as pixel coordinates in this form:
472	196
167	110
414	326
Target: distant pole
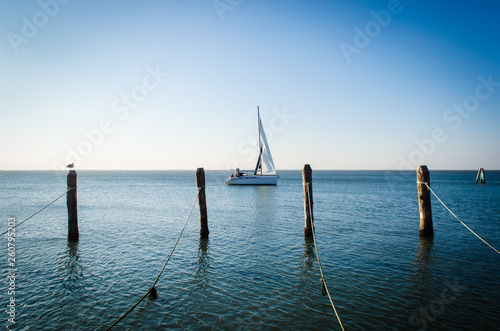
72	207
424	201
202	202
308	200
480	175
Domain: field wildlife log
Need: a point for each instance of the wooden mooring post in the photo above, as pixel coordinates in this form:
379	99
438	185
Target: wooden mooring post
308	200
424	201
480	175
73	234
202	202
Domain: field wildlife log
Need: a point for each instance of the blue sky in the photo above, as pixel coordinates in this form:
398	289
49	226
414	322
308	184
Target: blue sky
175	84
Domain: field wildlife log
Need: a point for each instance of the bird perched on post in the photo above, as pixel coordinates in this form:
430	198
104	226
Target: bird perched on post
71	165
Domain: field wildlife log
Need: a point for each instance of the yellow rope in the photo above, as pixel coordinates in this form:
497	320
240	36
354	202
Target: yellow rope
323	281
69	189
158	278
496	250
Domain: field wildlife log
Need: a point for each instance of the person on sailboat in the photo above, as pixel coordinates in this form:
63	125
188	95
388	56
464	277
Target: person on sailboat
238	173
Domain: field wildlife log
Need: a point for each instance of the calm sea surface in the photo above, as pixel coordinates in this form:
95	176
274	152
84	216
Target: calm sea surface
256	271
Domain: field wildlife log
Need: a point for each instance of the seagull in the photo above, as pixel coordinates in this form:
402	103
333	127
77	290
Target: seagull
71	165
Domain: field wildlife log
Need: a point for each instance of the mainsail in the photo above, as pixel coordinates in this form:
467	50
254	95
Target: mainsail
265	164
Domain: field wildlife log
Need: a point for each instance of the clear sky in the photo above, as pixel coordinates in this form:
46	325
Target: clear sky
175	84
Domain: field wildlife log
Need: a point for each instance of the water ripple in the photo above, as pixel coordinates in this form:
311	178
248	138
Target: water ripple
256	271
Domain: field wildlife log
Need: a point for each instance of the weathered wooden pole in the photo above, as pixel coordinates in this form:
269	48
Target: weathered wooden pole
424	201
202	202
72	207
480	175
308	200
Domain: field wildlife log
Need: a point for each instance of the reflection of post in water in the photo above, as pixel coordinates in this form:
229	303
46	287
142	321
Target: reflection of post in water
73	263
203	263
71	267
308	259
422	260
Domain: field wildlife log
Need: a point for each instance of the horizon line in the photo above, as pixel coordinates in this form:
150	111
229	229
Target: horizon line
212	169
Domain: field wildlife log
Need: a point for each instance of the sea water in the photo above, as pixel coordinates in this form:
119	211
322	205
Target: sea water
256	270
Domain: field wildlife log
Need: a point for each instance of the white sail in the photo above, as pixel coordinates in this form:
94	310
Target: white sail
265	172
265	164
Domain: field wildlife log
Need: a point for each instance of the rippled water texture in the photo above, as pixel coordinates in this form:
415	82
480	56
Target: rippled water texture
256	270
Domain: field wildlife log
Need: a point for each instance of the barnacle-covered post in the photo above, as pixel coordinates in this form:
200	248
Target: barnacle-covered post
424	201
308	200
202	201
73	233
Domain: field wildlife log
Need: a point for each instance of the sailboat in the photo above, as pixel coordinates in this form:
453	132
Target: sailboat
265	171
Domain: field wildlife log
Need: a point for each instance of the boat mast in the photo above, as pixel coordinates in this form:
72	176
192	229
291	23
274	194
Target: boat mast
260	146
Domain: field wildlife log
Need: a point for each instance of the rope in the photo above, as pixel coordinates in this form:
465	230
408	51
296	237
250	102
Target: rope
496	250
69	189
152	289
324	288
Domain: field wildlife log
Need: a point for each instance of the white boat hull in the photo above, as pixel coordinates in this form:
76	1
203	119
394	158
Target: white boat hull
253	180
